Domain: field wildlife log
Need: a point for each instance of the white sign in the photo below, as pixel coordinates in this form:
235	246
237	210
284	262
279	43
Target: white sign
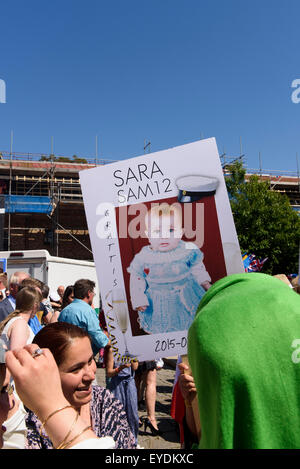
162	232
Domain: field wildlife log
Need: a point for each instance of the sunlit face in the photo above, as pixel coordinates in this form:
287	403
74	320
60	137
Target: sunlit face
165	232
77	372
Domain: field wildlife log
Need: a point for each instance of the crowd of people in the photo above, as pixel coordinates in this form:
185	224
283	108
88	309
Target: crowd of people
243	369
66	324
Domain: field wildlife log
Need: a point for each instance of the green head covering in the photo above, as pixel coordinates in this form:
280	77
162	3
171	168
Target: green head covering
245	358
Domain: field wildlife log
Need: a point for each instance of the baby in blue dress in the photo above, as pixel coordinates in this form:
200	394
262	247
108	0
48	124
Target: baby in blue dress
168	277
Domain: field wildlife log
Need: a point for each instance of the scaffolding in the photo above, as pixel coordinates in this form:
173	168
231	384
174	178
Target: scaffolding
54	183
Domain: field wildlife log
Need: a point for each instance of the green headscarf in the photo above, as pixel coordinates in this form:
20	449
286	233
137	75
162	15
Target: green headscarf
243	351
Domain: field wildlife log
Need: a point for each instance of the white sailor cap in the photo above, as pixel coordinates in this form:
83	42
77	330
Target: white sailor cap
194	187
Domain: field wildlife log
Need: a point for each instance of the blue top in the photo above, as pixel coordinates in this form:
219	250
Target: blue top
83	315
34	324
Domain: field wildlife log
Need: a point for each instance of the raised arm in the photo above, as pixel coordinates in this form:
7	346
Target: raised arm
61	421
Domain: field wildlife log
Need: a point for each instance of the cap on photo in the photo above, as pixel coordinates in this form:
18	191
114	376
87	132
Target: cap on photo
194	187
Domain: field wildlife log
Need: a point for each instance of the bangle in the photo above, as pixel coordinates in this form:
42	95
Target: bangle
51	415
69	432
187	403
73	439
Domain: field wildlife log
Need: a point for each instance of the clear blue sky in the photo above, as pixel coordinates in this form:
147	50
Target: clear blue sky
167	71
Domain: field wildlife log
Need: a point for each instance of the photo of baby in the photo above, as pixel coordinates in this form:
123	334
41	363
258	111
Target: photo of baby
167	277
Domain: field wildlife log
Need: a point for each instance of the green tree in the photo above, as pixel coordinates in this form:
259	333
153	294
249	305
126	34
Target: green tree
266	224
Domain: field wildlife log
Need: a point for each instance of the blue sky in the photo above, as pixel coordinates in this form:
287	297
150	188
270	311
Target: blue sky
167	71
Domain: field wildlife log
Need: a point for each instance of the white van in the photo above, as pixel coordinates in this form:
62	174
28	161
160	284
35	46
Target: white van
51	270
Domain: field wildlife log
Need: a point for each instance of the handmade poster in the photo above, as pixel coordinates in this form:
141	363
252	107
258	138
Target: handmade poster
162	233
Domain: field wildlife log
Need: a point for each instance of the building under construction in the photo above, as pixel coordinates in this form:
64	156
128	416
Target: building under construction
42	207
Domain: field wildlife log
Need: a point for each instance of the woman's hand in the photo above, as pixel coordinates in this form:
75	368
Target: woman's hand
37	380
39	387
186	383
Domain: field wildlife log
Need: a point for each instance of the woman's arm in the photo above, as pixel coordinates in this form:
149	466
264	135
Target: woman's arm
109	363
42	373
188	391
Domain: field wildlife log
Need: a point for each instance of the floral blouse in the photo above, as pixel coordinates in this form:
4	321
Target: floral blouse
108	419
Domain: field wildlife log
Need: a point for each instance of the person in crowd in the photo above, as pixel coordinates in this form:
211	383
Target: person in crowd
68	296
12	412
45	300
122	385
182	409
4	402
42	316
81	313
60	292
101	358
32	369
55	300
243	350
145	379
8	305
16	333
3	285
14	329
167	277
71	348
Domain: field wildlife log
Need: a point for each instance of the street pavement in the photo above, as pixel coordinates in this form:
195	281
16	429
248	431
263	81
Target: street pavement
169	439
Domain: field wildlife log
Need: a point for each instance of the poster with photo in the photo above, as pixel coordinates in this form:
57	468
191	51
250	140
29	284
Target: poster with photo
162	233
3	264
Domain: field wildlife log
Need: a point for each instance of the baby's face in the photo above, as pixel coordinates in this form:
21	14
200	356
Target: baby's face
165	233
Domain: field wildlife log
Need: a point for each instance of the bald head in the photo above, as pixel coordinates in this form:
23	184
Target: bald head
61	290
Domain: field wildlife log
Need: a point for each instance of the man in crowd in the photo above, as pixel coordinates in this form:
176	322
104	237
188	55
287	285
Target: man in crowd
8	305
60	292
81	313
